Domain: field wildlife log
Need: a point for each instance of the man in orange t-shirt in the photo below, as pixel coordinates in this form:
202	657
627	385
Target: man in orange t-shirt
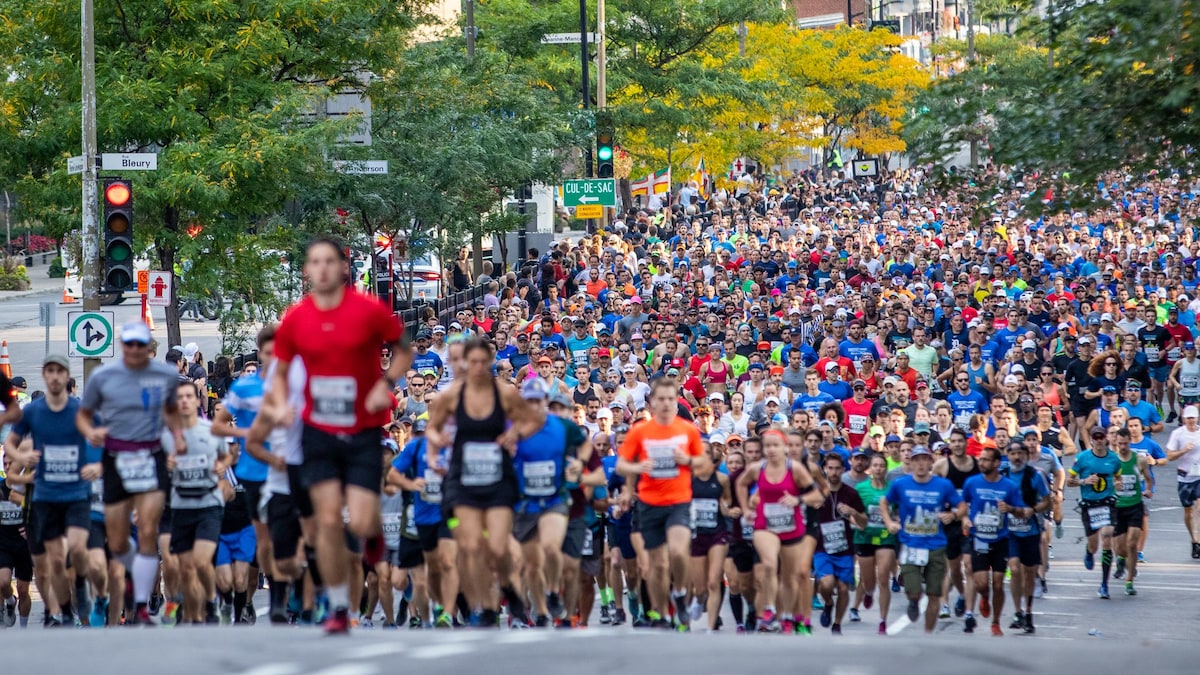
658	454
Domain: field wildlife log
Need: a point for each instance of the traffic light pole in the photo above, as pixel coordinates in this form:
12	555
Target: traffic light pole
90	260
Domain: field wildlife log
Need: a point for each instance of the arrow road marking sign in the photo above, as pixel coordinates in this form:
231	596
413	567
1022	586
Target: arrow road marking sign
90	335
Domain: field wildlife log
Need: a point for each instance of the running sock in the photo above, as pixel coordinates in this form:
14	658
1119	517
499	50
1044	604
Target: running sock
226	597
1106	559
738	608
606	596
145	569
464	607
339	596
634	605
24	621
310	557
279	593
239	605
126	558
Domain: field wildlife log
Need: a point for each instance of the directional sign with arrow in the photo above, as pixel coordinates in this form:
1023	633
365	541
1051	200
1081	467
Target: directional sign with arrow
598	191
90	335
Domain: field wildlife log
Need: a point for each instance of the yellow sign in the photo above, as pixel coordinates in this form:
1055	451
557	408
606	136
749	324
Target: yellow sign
143	282
589	211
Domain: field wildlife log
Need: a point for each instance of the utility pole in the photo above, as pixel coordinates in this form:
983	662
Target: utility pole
586	90
90	263
971	64
601	77
477	238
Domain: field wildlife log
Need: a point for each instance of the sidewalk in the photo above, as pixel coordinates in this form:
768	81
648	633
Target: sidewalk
40	283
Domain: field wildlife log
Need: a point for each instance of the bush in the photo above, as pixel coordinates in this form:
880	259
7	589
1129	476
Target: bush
57	271
33	243
13	276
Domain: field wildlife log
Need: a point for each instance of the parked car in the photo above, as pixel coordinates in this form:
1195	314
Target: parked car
426	275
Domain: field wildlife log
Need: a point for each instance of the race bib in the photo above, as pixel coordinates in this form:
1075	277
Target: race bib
410	522
137	470
1019	525
1174	354
1128	486
97	502
432	492
987	524
858	424
914	556
747	530
1152	353
192	472
982	546
10	514
1189	382
482	464
663	456
962	420
391	524
780	519
705	513
539	478
1099	516
588	549
333	401
875	517
61	463
834	536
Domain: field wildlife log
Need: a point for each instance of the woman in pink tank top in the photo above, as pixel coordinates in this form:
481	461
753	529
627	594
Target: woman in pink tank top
783	486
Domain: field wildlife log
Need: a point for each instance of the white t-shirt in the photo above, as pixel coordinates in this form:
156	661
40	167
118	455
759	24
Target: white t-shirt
1189	462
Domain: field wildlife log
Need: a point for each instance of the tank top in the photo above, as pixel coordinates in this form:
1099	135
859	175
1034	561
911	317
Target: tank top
706	505
978	376
12	519
771	515
1105	417
1129	482
959	478
392	518
477	460
1053	399
718	377
1189	378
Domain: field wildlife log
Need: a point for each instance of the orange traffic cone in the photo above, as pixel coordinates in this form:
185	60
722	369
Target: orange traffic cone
147	315
5	363
67	299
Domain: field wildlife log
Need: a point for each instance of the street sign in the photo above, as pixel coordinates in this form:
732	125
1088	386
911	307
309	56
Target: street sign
143	283
370	167
866	167
47	314
566	38
892	25
158	293
90	335
590	192
129	161
589	212
74	165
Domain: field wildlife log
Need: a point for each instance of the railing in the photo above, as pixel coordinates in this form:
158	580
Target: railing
445	308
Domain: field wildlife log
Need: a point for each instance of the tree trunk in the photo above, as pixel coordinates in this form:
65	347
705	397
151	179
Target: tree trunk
166	258
626	189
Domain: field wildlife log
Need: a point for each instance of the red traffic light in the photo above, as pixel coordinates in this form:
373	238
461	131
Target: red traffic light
117	194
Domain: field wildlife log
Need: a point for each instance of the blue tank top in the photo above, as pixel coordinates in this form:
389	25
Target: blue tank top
978	377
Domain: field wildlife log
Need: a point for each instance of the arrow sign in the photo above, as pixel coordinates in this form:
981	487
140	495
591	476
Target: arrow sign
586	199
600	191
90	335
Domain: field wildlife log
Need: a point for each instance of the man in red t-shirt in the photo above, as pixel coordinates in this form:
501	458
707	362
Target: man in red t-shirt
337	334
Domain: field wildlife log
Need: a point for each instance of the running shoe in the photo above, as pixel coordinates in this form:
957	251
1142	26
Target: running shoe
787	626
1044	589
767	623
895	584
414	623
99	615
854	617
1028	627
1195	550
1039	589
542	621
170	613
554	605
1050	551
1129	589
1141	557
1103	592
141	617
444	620
1018	621
618	616
914	610
605	617
1089	560
960	606
10	613
969	624
1172	417
817	602
52	622
883	628
985	607
659	624
944	611
826	616
1120	570
996	630
338	623
682	615
695	610
366	623
741	630
836	629
642	622
868	601
389	626
1058	530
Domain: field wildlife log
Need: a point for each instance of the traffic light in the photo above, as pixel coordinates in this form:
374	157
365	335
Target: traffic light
118	236
605	147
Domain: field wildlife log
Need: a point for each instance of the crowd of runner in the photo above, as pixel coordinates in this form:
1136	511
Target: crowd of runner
794	400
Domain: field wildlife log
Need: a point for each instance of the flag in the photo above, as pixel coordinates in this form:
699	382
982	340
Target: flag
662	181
640	188
703	181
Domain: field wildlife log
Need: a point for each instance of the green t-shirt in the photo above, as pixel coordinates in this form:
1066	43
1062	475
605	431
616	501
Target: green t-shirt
875	534
1129	483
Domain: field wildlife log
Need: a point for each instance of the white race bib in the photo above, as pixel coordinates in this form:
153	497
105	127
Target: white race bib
1128	486
333	400
780	519
10	514
61	463
987	525
663	456
539	478
704	514
138	470
482	464
914	556
432	492
193	472
1099	516
834	536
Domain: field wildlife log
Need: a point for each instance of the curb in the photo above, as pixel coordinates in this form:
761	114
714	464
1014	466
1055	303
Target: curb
16	295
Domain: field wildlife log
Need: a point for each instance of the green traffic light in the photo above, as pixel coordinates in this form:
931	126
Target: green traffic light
604	152
119	252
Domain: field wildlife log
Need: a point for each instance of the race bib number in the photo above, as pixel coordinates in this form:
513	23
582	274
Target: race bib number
137	470
962	420
1099	516
192	472
834	536
391	524
914	556
482	464
987	525
432	492
704	514
1174	354
1190	382
874	517
1019	525
333	401
747	530
10	514
780	519
539	478
97	505
61	463
410	521
1152	353
1128	486
588	549
663	456
858	424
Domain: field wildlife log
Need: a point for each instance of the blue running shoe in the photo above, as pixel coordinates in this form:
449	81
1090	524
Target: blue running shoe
817	602
98	617
895	584
1089	560
1103	592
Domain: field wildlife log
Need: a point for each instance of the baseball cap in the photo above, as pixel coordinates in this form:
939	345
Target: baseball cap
1086	340
716	396
533	389
1191	411
892	438
556	397
858	452
830	366
1189	345
419	425
635	336
1109	389
772	399
136	331
58	360
19	381
764	346
190	349
734	437
921	428
677	363
919	450
1029	346
635	300
545	359
440	329
629	368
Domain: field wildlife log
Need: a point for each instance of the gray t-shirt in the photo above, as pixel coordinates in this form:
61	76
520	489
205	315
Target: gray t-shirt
193	484
131	403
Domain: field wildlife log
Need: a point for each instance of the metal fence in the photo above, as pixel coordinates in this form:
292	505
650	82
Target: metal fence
445	307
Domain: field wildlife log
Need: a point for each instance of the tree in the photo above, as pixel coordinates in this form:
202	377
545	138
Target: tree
227	93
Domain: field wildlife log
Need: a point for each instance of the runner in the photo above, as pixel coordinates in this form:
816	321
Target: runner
1135	483
1094	473
925	504
874	546
346	403
660	452
992	499
711	505
16	564
1024	534
1183	446
135	398
957	468
833	563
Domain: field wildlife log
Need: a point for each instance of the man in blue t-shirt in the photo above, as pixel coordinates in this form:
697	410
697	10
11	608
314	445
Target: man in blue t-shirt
61	505
992	500
924	503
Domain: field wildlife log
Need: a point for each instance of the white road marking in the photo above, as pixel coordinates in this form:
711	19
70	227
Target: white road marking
517	637
273	669
1116	587
348	669
439	651
851	670
903	622
373	651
